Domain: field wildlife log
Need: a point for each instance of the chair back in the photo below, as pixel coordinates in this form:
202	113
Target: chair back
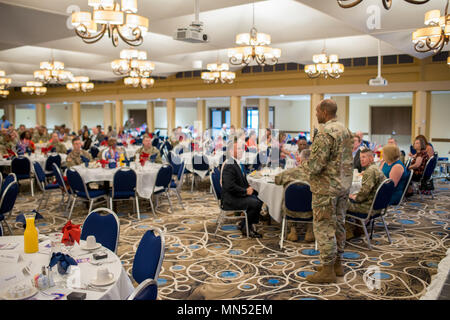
59	178
149	256
383	195
298	197
51	160
1	230
21	166
153	157
105	228
94	152
76	182
274	157
200	162
124	180
429	168
164	176
215	182
147	290
408	162
9	179
9	197
180	172
1	180
408	181
155	142
40	174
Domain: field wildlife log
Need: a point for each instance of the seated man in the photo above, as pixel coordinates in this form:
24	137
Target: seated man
236	192
372	177
40	135
147	150
113	152
55	143
286	177
74	157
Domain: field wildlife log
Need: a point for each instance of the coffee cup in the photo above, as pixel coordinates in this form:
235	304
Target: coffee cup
103	275
90	242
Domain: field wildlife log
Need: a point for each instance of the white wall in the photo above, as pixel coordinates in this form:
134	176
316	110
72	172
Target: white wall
185	116
26	114
59	114
440	117
91	115
291	115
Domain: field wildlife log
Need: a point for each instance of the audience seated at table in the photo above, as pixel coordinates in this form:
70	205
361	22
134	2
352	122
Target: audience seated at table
147	150
282	141
74	157
113	152
428	146
87	141
97	135
40	135
251	143
364	143
62	134
236	192
286	177
356	153
394	169
419	160
302	144
25	144
56	143
361	202
402	153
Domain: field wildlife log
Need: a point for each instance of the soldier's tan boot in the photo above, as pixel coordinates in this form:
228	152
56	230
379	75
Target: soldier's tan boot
338	268
309	236
292	236
349	232
325	275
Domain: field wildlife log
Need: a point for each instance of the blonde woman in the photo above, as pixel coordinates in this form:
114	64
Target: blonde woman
394	169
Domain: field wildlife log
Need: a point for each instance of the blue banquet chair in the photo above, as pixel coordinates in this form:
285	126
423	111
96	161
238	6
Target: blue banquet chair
45	188
8	201
162	185
146	290
55	158
9	178
124	188
21	167
177	183
105	228
62	185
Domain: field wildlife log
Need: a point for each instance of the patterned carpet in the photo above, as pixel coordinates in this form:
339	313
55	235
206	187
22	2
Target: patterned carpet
198	265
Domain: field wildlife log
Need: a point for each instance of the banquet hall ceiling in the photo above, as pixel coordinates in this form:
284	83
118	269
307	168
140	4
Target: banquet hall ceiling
31	29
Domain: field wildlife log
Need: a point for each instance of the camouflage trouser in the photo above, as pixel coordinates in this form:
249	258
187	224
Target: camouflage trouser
329	225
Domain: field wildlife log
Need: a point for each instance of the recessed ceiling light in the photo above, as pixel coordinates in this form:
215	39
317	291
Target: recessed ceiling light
282	95
364	93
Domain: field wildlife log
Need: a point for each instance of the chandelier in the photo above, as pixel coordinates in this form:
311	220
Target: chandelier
436	35
52	71
78	84
254	47
134	65
4	84
34	87
218	72
328	66
113	19
386	3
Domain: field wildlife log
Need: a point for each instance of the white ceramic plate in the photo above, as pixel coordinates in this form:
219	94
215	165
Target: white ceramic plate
94	281
98	245
6	296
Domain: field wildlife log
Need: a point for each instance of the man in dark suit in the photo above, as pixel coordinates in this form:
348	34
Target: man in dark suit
236	192
356	152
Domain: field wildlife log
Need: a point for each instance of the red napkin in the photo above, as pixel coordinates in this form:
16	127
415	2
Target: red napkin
143	157
133	141
104	143
71	232
150	135
103	162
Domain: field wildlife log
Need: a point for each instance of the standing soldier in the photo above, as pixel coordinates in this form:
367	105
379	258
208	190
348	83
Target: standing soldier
330	166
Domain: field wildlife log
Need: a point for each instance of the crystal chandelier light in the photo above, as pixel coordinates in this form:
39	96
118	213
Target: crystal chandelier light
134	65
328	66
255	47
34	87
118	21
218	72
386	3
436	33
4	84
78	84
52	71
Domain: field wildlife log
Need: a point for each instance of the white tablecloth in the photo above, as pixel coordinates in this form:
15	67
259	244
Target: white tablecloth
214	160
146	176
438	280
130	150
35	157
81	274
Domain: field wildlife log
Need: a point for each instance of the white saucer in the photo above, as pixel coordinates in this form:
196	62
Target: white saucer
97	245
95	282
6	296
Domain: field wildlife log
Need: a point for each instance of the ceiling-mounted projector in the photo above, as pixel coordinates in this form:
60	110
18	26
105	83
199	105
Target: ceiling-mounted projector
194	32
379	80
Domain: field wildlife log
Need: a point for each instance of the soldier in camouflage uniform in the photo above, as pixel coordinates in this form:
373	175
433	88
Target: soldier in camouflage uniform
372	177
40	135
54	142
288	176
330	168
74	157
149	149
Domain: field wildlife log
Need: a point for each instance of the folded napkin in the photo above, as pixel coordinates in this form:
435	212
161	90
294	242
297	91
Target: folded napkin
71	232
133	141
62	260
21	218
84	159
103	162
143	157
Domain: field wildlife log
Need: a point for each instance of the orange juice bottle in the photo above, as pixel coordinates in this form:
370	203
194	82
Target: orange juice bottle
30	235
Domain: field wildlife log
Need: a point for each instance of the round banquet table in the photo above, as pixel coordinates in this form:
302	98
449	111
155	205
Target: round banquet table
146	176
272	194
130	150
79	276
35	157
214	160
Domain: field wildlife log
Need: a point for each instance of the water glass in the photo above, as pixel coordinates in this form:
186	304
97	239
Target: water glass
55	241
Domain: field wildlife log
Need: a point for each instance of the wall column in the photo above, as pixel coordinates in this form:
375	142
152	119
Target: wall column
343	103
201	115
108	115
315	99
150	116
10	113
421	114
171	110
40	114
76	116
119	114
263	112
235	111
